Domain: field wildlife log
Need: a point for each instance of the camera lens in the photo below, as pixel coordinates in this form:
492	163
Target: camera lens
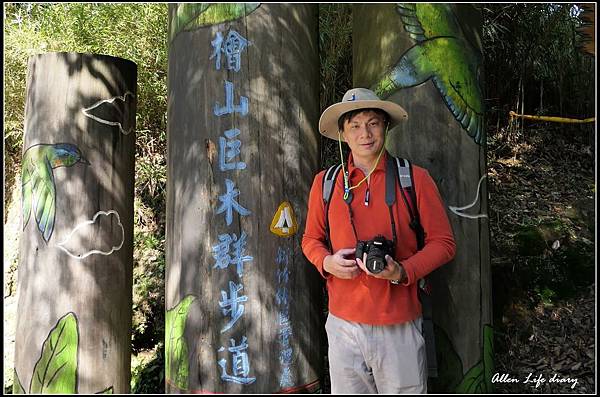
376	255
375	264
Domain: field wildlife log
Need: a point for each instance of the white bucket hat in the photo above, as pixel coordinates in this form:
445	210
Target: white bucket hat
357	98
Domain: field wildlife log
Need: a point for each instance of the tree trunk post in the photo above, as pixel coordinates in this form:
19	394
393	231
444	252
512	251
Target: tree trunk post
427	58
243	304
76	255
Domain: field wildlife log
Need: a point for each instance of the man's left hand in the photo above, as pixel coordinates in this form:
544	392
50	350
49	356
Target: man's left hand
392	271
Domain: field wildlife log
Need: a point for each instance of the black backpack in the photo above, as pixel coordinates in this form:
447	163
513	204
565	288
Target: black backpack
397	169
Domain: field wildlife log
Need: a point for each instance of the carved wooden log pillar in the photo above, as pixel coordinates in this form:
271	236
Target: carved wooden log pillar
243	304
76	255
427	58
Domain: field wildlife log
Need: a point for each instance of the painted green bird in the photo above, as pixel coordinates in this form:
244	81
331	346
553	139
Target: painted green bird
443	55
37	183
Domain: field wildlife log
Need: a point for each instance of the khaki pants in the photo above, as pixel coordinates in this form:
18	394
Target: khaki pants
388	359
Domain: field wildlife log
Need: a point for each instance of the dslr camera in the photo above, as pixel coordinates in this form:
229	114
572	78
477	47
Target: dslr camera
376	251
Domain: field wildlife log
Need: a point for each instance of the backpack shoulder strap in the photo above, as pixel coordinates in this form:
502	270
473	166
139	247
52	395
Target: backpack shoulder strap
390	181
329	181
404	172
328	185
407	187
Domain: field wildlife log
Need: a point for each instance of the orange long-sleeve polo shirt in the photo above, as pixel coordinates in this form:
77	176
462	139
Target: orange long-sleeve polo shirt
366	299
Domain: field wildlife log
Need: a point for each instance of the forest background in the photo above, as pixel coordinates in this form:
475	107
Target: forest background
541	176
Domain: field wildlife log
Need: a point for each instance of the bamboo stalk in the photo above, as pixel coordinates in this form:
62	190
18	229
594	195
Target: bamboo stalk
553	119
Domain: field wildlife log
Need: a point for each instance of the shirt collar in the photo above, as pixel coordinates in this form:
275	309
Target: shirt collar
380	165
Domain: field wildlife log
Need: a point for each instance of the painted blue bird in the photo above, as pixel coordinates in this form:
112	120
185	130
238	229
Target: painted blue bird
37	184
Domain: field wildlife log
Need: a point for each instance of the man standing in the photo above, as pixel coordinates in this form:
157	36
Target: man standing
374	323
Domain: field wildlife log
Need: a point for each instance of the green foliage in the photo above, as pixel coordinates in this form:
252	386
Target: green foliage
335	51
147	373
545	294
148	278
556	261
532	51
530	242
335	54
132	31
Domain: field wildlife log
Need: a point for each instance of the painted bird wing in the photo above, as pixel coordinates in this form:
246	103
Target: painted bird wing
423	21
27	170
42	196
453	62
456	78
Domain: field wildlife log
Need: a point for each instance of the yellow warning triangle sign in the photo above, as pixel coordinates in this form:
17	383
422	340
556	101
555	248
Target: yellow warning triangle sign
284	222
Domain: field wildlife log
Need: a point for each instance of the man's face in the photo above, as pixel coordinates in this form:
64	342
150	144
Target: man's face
365	134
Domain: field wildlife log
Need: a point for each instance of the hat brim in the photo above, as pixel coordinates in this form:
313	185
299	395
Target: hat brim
328	123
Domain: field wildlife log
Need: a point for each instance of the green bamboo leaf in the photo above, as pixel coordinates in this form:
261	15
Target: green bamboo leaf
108	390
17	387
56	370
176	350
190	16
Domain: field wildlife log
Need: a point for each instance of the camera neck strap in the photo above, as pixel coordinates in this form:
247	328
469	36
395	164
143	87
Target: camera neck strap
390	197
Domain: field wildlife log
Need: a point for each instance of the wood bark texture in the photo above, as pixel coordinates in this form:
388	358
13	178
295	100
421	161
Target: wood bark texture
270	340
76	255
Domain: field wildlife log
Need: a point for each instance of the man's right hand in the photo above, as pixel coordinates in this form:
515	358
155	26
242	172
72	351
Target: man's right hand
339	266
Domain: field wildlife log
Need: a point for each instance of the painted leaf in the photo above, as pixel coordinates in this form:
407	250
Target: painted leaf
56	370
488	357
190	16
479	378
17	387
184	14
449	365
176	350
471	383
108	390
